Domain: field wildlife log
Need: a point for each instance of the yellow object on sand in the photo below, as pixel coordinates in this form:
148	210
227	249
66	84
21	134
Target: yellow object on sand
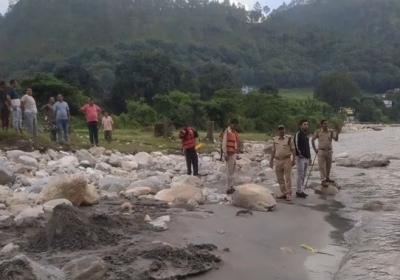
309	248
199	146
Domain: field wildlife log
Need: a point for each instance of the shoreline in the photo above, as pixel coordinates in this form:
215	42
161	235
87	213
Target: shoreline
255	242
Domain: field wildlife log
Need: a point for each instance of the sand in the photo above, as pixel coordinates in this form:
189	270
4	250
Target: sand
210	243
255	241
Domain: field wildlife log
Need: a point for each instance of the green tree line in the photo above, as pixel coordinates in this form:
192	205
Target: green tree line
295	45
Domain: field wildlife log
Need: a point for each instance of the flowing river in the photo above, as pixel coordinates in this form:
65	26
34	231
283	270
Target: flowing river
373	244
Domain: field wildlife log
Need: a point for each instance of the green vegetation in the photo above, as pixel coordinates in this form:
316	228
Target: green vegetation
125	141
84	42
140	62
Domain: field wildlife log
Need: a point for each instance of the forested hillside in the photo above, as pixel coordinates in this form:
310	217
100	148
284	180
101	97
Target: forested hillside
293	47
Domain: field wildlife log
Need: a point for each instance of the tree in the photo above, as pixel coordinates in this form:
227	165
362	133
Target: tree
45	86
213	77
143	75
337	89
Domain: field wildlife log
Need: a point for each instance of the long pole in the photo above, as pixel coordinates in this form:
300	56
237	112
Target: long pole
309	173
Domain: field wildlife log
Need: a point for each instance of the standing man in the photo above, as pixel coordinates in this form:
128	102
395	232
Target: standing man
62	116
15	106
230	149
303	156
107	125
284	153
188	136
48	111
4	106
29	109
324	151
91	111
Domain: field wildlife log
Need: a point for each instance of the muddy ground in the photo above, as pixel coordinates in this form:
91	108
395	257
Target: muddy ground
124	240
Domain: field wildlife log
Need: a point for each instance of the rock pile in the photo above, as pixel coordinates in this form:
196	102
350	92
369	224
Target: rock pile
69	229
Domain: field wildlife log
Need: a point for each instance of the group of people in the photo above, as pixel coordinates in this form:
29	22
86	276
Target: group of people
286	153
57	114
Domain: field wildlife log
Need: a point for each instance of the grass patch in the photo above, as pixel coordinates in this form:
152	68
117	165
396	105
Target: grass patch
125	141
297	93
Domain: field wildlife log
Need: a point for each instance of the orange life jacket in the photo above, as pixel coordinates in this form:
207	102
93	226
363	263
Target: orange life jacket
189	141
232	142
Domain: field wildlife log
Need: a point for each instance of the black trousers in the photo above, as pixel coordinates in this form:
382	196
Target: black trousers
93	133
192	159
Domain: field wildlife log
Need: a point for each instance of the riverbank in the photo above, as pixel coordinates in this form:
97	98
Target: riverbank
264	243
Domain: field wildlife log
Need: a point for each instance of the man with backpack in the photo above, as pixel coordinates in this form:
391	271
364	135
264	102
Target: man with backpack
284	153
188	137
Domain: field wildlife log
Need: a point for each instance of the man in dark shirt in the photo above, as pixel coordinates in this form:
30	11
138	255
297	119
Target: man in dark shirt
4	106
303	156
15	106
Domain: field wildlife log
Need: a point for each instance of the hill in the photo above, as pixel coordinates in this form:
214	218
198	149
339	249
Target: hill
293	48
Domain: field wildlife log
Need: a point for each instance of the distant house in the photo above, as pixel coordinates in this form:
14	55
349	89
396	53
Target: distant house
388	103
349	111
247	89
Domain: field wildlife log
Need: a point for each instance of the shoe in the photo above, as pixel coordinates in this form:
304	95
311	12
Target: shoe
283	196
301	195
324	183
329	181
230	190
288	197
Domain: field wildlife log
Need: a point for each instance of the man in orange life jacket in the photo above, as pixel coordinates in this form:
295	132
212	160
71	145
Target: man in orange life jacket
230	148
188	136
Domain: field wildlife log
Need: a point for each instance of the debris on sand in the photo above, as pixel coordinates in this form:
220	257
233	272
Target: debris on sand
159	261
70	229
242	212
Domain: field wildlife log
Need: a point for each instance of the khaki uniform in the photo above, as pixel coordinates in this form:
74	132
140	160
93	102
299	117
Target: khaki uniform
283	149
231	161
324	151
51	123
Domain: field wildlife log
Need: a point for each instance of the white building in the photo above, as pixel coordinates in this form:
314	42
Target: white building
388	103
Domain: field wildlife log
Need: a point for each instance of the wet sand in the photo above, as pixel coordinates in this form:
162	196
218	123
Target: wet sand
255	240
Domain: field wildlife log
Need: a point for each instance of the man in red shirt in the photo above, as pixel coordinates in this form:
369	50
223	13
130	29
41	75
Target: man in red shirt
91	111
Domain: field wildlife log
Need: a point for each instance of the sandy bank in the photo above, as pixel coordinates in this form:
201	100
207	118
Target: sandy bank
255	241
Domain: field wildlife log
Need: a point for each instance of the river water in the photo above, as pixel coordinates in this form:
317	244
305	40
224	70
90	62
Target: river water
373	244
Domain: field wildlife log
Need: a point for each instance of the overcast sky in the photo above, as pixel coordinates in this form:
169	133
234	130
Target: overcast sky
249	3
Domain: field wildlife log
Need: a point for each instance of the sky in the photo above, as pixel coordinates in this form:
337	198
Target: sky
249	4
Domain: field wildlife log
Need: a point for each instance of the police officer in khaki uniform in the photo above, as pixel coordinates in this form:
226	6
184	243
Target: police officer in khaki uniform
324	151
284	153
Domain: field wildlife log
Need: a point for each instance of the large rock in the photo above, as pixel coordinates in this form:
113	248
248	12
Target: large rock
86	268
187	180
116	183
373	160
27	161
97	151
84	155
72	187
129	165
253	197
5	192
102	166
49	205
115	161
15	154
153	183
91	196
327	190
6	173
67	161
143	159
181	193
23	268
17	198
347	162
374	205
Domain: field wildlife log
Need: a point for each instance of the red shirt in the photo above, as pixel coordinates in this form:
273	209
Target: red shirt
91	112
